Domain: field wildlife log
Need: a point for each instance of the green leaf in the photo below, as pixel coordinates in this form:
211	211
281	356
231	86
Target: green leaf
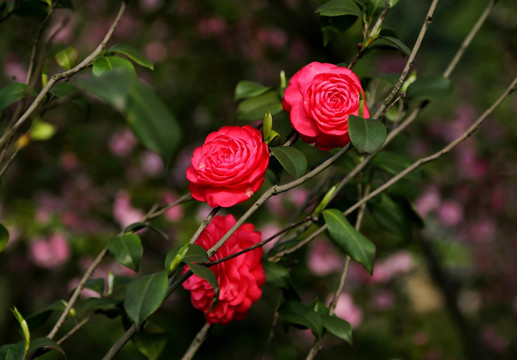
113	87
267	125
254	108
13	351
4	237
291	159
174	258
276	275
339	8
36	319
105	64
127	250
42	130
145	295
71	93
195	254
430	88
338	327
299	314
394	42
11	93
247	89
394	163
331	26
188	254
96	285
150	344
100	304
67	58
24	327
351	241
133	54
325	201
44	343
152	123
367	135
205	273
391	215
134	227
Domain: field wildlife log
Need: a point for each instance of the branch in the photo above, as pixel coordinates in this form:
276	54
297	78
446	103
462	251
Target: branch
196	343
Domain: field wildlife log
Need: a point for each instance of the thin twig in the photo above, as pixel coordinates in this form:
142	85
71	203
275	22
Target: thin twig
196	343
204	224
75	328
57	77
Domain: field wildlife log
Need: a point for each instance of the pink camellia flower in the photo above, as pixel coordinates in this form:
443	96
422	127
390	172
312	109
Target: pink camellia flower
230	166
240	278
50	253
319	98
346	309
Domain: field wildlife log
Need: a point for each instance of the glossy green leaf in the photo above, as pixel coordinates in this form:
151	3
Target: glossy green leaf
339	8
72	93
338	327
127	250
13	351
351	241
105	64
205	273
254	108
134	227
391	215
100	304
367	135
41	130
150	344
299	314
11	93
273	136
195	254
394	42
276	274
46	344
145	295
394	163
430	88
4	237
247	89
152	122
331	26
133	54
174	258
267	125
113	87
291	159
67	58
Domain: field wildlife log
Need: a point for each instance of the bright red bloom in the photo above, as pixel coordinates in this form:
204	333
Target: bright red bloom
319	98
230	166
240	278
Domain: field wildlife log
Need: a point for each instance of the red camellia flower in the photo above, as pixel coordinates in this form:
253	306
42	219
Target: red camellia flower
230	166
319	98
240	278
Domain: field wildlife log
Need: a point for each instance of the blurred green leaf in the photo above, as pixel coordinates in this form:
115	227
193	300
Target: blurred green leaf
430	88
72	93
105	64
339	8
95	284
299	314
331	26
113	87
367	135
11	93
133	54
276	274
391	215
100	304
152	122
205	273
351	241
36	319
13	351
44	343
127	250
291	159
338	327
24	328
195	254
41	130
394	163
254	108
247	89
145	295
150	344
67	58
4	237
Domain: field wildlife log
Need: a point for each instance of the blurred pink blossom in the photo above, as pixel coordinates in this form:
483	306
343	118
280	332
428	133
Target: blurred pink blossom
123	212
298	195
347	310
150	5
176	213
276	38
324	259
69	161
494	340
211	27
482	231
122	142
450	213
471	166
383	300
267	231
151	163
64	24
156	51
14	69
50	253
428	201
396	264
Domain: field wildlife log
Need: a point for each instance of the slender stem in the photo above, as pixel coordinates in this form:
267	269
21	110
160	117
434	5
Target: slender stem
75	328
121	342
276	316
196	343
158	212
409	63
204	224
379	21
57	77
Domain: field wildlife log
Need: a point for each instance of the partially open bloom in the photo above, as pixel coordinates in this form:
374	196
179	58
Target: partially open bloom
320	97
240	278
230	166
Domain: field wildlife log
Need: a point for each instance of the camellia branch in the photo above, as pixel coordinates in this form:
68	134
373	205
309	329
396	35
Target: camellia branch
197	342
60	76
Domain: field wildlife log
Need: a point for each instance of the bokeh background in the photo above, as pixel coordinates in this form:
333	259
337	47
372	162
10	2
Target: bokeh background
434	294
